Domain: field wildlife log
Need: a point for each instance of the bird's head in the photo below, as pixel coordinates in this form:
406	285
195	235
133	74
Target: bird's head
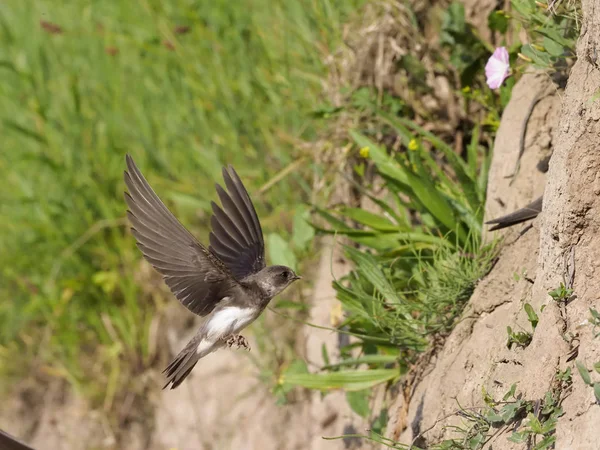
274	279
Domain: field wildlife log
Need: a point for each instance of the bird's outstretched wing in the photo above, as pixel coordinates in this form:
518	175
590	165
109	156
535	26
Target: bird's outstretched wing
196	276
7	442
530	211
236	238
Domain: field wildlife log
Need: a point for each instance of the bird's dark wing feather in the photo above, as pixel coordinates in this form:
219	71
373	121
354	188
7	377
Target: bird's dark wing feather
196	277
7	442
530	211
237	237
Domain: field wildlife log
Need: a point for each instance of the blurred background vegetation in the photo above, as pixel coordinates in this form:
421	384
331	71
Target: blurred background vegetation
184	87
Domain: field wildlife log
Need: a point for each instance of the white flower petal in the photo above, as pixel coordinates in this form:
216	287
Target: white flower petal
497	68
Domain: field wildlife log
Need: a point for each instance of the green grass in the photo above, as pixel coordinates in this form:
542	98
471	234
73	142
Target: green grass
235	87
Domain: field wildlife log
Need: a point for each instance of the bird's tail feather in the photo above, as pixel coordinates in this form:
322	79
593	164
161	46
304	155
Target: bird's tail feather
530	211
185	361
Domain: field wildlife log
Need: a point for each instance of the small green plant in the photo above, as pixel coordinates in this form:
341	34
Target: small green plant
523	338
539	426
561	294
565	377
587	379
533	422
520	338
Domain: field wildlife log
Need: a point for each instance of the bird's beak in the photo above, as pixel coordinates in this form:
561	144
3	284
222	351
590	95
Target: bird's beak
297	277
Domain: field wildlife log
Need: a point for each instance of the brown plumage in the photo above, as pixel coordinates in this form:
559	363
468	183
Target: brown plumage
528	212
7	442
228	282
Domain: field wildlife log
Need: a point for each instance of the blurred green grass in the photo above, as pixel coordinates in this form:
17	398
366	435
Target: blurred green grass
184	86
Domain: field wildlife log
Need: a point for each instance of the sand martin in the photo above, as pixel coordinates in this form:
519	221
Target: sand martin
528	212
228	282
7	442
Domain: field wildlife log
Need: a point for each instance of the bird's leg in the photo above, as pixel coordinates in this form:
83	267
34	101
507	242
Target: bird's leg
238	340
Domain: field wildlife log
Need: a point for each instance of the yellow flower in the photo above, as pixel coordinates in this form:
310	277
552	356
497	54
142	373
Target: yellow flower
413	145
466	89
364	152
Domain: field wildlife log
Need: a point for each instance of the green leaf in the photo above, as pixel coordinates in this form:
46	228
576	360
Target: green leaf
348	380
370	269
296	367
359	402
325	354
564	376
511	392
467	181
519	437
510	410
493	417
553	34
473	152
534	423
338	224
107	280
280	251
506	91
476	441
288	304
545	443
539	58
597	367
549	425
552	47
454	21
457	163
27	132
303	233
498	21
585	374
367	359
597	392
531	315
385	163
369	219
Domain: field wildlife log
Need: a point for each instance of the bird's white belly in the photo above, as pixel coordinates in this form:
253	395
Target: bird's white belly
228	321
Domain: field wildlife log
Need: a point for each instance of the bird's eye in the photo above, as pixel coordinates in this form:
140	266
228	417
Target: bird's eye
287	274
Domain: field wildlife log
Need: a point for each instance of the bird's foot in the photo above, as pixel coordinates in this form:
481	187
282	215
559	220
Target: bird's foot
239	341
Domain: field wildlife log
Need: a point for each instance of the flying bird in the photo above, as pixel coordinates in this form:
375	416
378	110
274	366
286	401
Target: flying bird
7	442
528	212
228	282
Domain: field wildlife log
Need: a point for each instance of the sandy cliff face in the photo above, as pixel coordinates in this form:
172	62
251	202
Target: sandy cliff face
564	244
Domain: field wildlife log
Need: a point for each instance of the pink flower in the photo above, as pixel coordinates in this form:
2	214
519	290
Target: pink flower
497	68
